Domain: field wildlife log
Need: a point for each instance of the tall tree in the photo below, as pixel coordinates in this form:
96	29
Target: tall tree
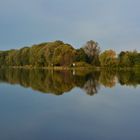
92	49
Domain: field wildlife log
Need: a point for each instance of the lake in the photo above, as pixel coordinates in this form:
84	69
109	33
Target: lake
39	104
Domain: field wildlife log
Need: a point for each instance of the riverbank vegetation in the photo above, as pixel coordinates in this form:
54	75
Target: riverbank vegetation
58	54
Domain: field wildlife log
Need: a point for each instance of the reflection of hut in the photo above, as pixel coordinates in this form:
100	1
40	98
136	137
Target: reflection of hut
73	72
73	64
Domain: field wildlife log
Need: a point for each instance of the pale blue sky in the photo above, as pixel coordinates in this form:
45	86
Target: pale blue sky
114	24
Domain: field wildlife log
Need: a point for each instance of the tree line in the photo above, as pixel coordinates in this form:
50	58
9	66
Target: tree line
58	53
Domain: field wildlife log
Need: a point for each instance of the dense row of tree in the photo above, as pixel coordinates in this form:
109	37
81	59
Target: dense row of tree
59	53
45	54
55	53
124	59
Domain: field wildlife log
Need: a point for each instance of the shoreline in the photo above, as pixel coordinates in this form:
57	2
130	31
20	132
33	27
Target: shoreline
89	68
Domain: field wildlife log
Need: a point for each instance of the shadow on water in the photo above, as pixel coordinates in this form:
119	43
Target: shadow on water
59	82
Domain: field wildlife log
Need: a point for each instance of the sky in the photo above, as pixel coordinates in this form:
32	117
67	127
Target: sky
114	24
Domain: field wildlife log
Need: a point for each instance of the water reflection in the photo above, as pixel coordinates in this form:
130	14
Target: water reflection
59	82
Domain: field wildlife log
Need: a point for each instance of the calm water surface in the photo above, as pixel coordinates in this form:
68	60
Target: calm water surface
69	105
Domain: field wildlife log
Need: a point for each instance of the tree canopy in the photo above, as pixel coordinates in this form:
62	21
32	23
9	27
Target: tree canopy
58	53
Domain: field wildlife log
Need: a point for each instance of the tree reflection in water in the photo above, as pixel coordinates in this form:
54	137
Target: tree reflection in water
59	82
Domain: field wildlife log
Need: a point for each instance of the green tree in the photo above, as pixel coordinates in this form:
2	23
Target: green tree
108	58
81	56
129	58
